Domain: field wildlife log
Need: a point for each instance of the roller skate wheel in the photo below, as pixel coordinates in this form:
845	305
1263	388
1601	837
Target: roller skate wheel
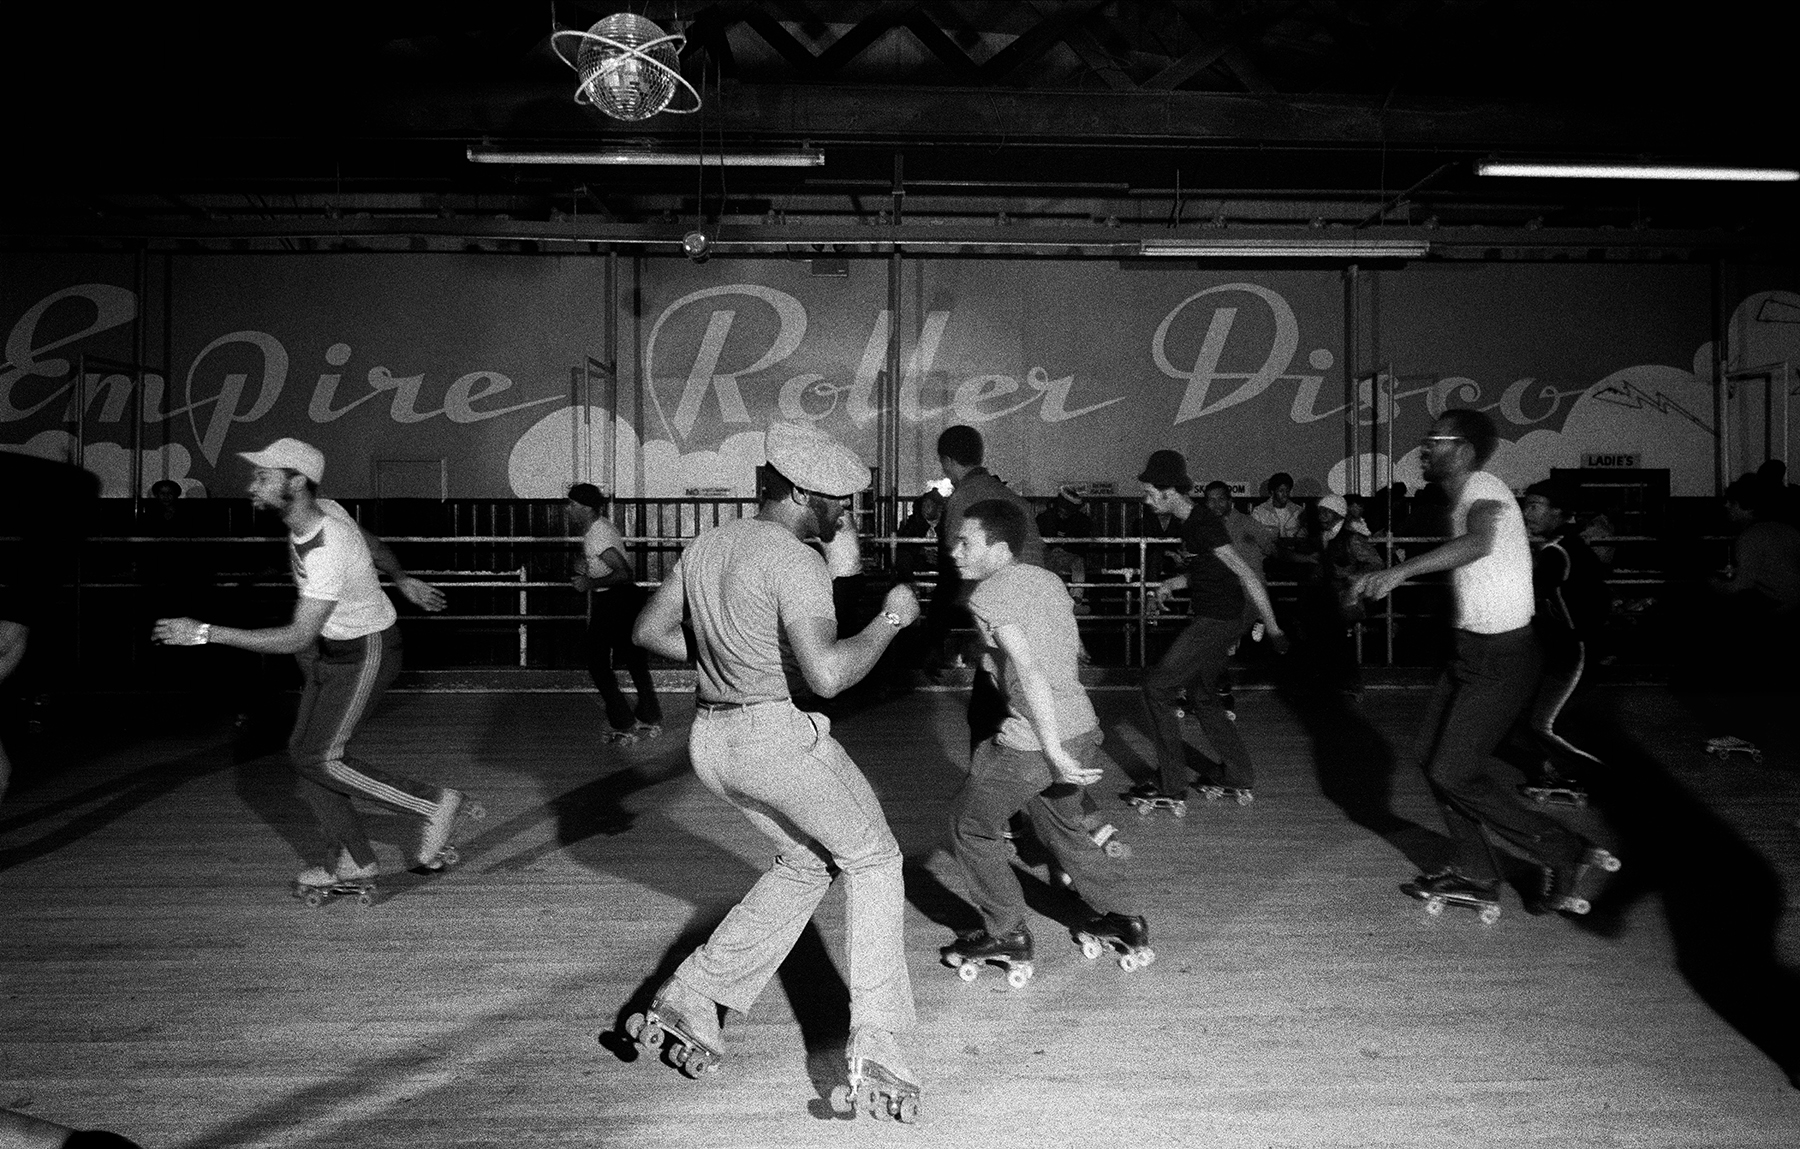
1756	756
1491	914
1434	907
1147	957
365	897
908	1110
1143	809
968	971
1575	905
1245	798
1608	863
475	810
314	898
1117	849
1180	809
1019	976
1091	949
652	1037
1128	962
447	857
842	1099
634	1025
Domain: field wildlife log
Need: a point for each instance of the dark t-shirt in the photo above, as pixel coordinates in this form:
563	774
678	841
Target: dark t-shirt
1212	586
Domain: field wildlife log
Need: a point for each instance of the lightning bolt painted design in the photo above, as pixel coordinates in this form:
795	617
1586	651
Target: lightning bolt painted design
1628	394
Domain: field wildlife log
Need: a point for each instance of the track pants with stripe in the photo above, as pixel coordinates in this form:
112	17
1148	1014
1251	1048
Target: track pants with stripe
344	680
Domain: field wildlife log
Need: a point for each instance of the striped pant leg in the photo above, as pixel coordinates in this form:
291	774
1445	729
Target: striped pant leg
343	683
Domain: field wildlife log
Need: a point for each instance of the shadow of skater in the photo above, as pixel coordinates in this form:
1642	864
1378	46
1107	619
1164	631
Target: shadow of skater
1721	898
1355	765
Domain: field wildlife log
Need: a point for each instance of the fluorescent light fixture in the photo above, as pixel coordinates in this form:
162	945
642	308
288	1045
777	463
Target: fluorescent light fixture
635	157
1635	172
1287	248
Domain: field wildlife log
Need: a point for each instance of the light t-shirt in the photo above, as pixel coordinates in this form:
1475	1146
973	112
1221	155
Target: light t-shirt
600	538
1494	593
332	563
743	581
1036	601
1284	521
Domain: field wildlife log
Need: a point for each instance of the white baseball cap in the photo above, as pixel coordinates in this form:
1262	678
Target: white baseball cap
1335	503
292	455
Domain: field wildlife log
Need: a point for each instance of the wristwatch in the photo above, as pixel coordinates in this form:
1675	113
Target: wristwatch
203	634
893	619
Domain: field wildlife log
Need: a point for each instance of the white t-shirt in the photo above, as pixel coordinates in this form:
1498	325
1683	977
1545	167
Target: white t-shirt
332	563
1284	521
600	538
1493	593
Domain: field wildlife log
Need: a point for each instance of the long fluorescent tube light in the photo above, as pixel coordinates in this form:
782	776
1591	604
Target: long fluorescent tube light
637	158
1635	172
1289	249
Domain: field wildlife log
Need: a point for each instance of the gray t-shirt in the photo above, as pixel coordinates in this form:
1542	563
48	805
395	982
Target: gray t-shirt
743	582
1036	601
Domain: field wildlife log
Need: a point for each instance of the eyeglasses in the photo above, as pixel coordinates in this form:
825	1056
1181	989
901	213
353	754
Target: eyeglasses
1430	439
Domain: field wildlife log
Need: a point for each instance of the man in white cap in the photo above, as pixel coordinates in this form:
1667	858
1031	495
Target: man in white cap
759	600
346	638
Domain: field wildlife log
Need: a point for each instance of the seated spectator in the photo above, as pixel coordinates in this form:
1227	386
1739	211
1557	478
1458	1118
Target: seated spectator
1279	512
923	523
1355	515
1065	518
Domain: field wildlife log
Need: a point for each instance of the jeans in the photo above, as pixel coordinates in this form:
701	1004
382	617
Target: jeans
1002	781
1486	688
344	679
611	618
783	770
1194	664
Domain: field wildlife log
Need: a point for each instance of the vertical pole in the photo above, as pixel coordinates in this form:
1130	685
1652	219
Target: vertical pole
887	514
1352	387
1721	360
612	361
138	338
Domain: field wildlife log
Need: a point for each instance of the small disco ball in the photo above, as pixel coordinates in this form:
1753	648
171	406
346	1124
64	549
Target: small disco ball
628	67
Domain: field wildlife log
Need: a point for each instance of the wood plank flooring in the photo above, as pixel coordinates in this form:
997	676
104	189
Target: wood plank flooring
157	979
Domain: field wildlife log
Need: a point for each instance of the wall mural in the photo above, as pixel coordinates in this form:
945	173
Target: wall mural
500	367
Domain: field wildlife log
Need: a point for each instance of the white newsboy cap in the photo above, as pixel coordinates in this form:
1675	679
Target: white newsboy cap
1335	503
807	457
292	455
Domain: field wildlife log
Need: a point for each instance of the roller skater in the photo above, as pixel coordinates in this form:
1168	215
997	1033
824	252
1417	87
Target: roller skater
1126	936
1491	675
1010	952
1219	583
1041	759
758	596
346	636
605	577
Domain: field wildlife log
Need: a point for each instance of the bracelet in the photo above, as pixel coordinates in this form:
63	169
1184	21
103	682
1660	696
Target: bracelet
203	634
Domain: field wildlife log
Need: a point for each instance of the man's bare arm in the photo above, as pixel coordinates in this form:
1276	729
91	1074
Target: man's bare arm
658	628
301	632
832	665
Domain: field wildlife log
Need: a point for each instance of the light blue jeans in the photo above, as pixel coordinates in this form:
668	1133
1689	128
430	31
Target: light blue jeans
782	768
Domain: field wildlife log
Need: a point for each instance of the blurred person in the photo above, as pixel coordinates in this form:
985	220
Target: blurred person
605	579
1066	519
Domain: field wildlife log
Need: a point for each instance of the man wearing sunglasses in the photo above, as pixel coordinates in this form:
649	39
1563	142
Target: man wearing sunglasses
1492	676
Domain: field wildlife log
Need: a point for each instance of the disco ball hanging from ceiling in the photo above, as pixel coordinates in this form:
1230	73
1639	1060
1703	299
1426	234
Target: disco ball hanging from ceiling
628	67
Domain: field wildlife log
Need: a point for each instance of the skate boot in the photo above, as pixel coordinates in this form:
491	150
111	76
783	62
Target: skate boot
347	879
1129	937
1011	951
1552	788
1561	888
646	731
1148	796
881	1084
1726	745
688	1017
1239	794
435	850
1448	888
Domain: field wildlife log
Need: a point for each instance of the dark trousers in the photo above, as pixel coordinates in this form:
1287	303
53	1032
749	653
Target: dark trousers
1487	686
1195	665
343	682
611	618
1003	781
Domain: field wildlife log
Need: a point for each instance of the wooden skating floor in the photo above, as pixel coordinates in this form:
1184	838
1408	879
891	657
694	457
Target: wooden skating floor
157	979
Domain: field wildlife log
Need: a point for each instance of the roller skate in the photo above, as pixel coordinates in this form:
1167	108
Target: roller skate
1561	889
1012	952
1228	700
1129	937
435	850
1725	746
1239	794
1449	888
1552	789
1146	797
316	884
881	1084
690	1019
632	735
